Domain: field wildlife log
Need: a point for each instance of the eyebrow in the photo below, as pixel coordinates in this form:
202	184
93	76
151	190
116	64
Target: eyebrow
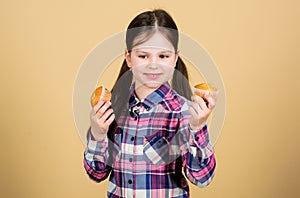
169	51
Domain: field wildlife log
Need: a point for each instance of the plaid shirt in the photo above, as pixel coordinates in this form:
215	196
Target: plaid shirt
154	148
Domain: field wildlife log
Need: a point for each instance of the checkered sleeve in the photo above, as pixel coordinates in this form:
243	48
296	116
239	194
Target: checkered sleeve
198	153
96	158
200	143
200	162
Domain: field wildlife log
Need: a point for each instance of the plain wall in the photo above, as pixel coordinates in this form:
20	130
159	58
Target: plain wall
254	43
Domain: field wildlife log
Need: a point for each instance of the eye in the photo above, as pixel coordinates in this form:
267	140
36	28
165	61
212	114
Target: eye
142	56
163	56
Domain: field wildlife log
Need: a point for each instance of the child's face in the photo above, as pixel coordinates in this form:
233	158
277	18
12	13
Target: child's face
152	62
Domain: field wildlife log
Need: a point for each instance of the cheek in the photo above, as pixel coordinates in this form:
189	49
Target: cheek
136	62
169	63
168	71
136	70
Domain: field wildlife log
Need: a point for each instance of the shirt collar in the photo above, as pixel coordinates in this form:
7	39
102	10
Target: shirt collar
152	99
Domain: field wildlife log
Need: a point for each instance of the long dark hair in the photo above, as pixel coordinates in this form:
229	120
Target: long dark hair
141	28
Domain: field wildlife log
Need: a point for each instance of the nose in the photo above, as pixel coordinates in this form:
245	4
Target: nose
153	64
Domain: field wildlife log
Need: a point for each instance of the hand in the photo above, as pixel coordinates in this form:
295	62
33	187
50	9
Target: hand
200	109
101	117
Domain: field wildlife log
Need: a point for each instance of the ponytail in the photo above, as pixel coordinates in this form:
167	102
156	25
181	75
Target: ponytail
119	101
180	81
120	96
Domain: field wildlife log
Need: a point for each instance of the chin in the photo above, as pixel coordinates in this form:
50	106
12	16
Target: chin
153	85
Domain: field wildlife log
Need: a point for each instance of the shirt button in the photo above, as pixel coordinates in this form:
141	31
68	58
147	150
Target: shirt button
132	138
130	159
130	181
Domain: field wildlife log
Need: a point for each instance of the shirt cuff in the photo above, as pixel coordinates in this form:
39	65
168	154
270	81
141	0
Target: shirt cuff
96	150
200	140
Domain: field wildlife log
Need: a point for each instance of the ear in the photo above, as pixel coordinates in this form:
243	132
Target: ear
128	58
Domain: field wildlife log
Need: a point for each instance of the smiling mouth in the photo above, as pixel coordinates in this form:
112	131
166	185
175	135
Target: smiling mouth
153	76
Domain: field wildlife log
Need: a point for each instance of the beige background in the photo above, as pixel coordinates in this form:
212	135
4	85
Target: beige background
254	43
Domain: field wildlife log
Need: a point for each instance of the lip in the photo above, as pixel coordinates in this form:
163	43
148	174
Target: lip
153	76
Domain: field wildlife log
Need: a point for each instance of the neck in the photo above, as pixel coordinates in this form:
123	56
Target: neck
142	92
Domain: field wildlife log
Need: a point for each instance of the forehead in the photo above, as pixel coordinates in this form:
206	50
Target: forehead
157	42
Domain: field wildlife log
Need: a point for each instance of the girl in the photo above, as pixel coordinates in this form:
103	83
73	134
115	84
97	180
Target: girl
150	135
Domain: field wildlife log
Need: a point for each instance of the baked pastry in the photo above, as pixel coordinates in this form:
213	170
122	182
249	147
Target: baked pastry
201	89
101	93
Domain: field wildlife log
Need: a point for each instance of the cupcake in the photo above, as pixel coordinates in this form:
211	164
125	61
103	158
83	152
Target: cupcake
201	89
101	93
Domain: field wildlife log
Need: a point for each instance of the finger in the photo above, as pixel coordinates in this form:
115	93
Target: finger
106	115
195	107
110	120
97	106
211	101
200	101
105	105
103	109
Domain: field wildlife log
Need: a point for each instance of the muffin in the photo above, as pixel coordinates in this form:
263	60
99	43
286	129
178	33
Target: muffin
101	93
201	89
